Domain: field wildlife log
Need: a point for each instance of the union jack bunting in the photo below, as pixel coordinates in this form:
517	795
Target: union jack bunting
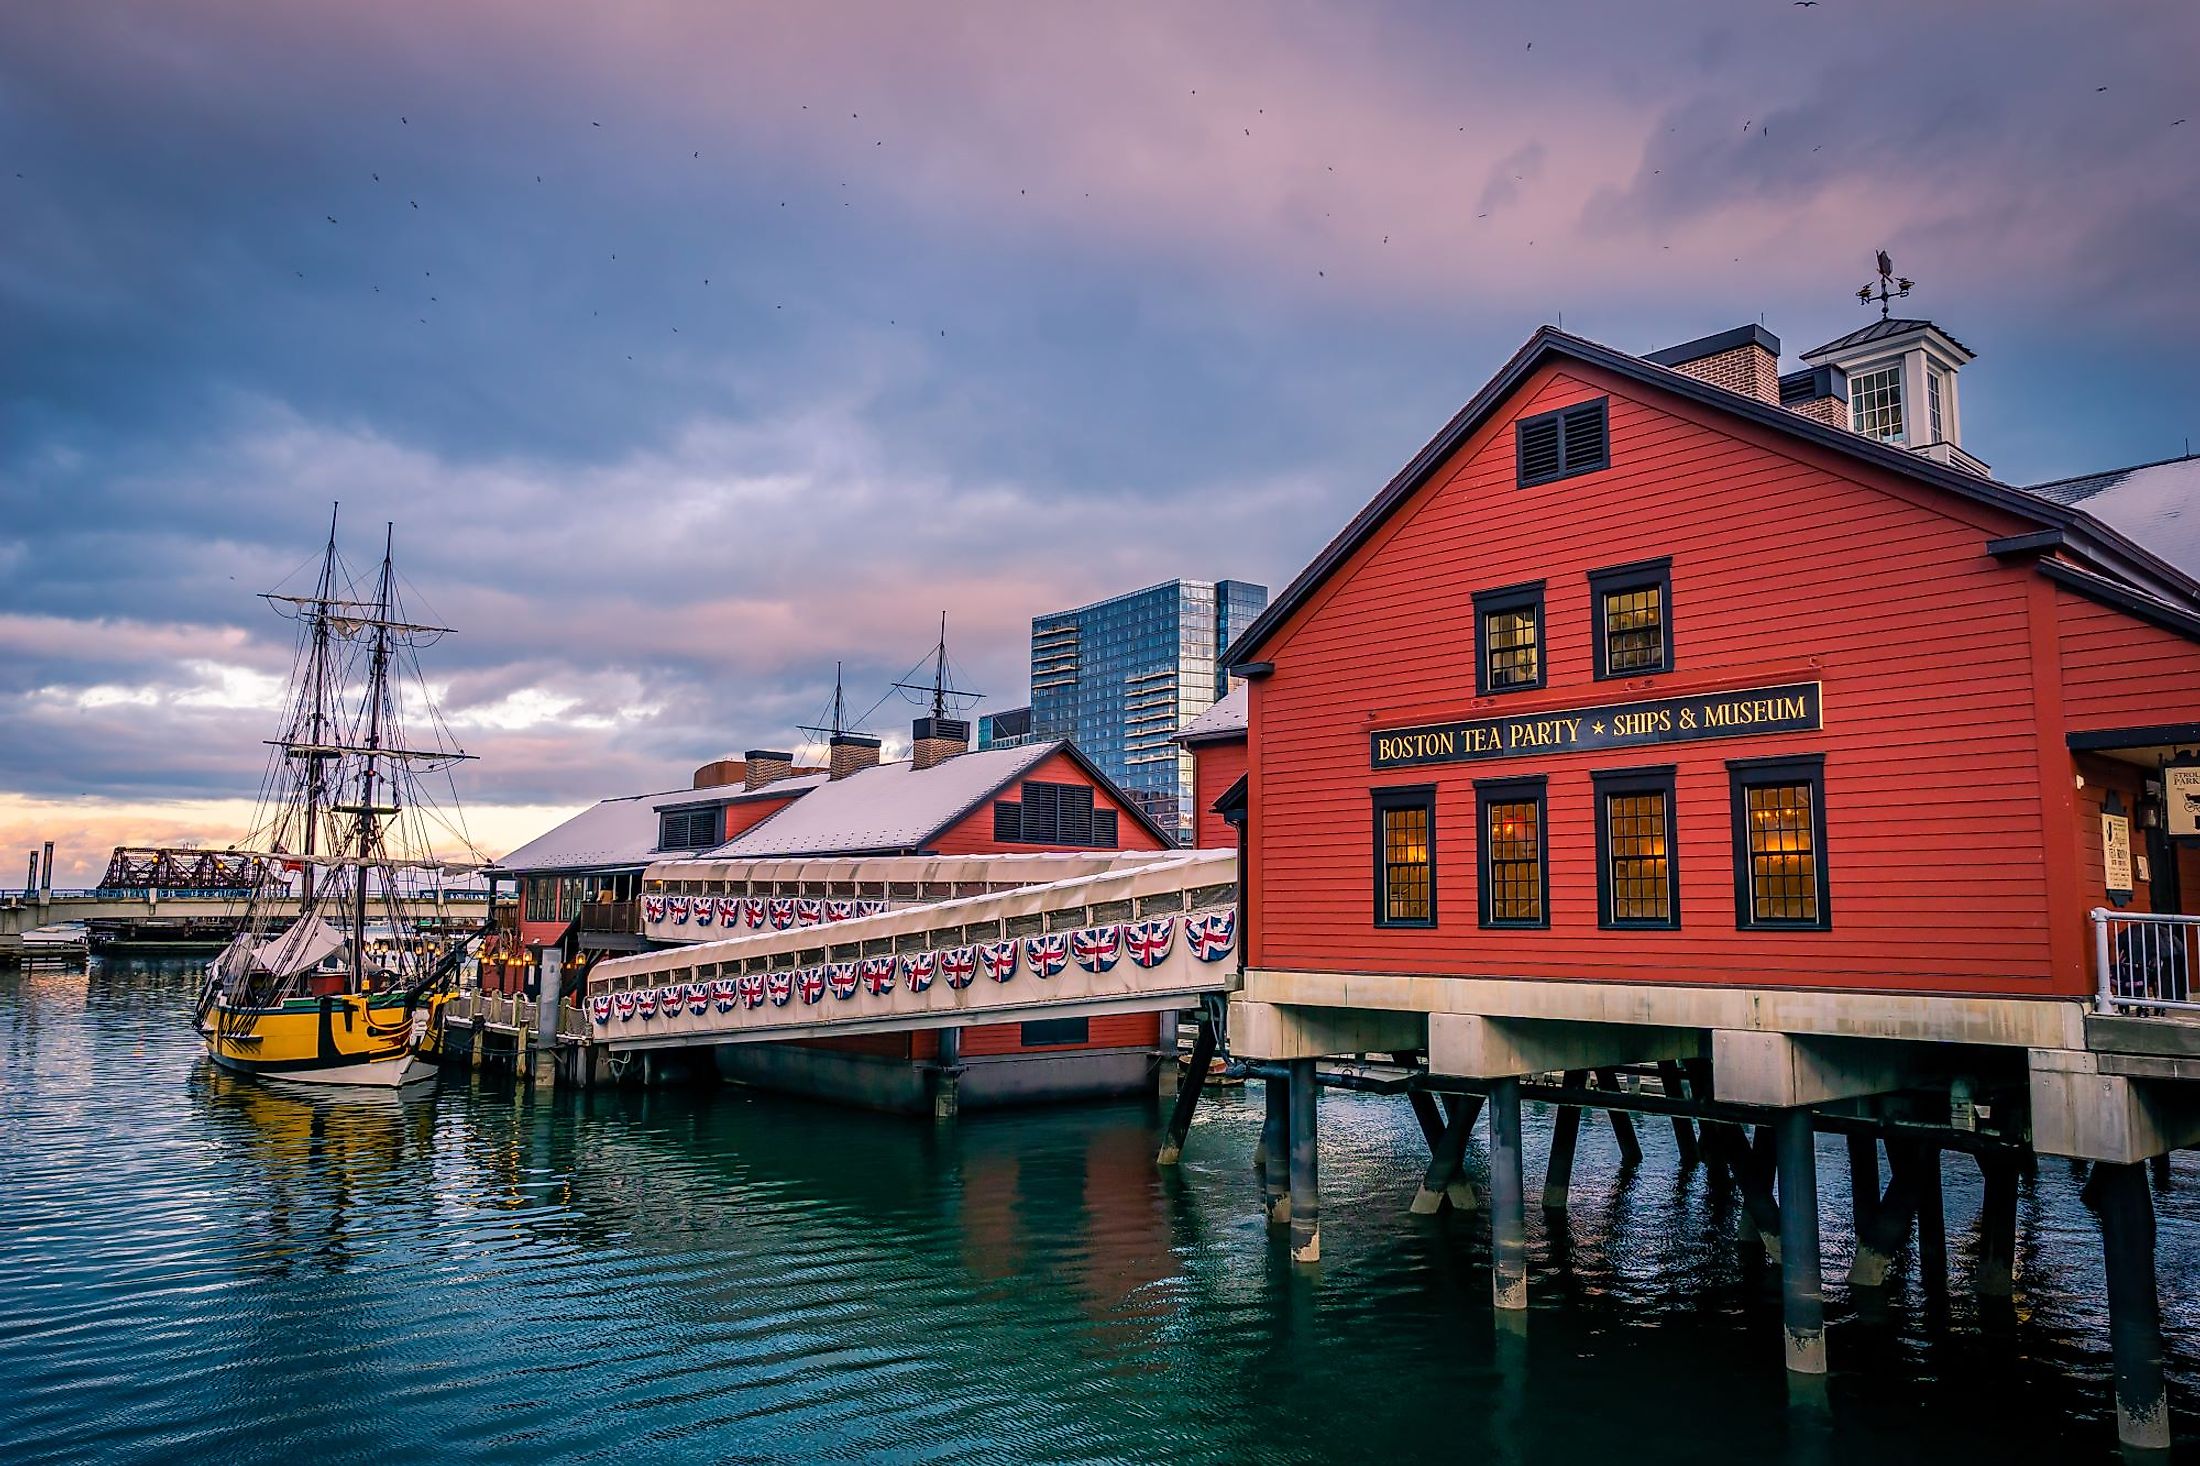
653	908
1048	955
600	1005
959	965
724	991
729	911
668	1001
779	986
841	978
839	910
998	959
626	1003
1097	947
677	907
919	968
706	910
782	913
808	912
870	908
751	985
645	1002
812	982
752	911
698	998
1149	940
1211	935
877	974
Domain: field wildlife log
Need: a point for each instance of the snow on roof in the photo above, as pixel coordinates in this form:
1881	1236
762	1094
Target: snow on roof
2155	505
1225	717
621	831
889	807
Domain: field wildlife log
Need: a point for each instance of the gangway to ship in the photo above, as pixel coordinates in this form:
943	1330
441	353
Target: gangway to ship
1152	935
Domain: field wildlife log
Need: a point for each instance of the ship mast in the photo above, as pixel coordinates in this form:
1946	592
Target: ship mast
317	680
369	812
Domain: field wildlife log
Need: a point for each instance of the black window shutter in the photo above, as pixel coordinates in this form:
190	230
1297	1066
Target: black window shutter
1539	449
1585	443
1042	813
1103	829
1076	815
1008	820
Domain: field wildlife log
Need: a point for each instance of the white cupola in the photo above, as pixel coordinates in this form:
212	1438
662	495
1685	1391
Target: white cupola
1901	387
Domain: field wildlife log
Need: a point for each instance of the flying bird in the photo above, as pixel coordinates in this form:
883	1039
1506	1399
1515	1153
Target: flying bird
2100	89
1806	4
330	217
377	177
595	124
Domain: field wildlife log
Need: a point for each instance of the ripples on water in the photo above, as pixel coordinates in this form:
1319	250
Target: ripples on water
194	1267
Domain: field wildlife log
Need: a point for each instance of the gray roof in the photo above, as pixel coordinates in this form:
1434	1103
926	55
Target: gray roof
1877	331
2154	505
1225	719
623	831
888	807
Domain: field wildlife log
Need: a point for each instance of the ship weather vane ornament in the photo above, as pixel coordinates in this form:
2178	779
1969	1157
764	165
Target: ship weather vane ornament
1889	286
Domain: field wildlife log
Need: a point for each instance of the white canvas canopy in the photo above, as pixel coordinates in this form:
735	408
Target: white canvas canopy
296	950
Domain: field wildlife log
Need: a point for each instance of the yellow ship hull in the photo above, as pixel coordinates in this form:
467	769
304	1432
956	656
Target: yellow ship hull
347	1039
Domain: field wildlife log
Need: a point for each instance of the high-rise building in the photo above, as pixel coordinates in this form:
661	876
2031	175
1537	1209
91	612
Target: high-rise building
1121	676
1008	728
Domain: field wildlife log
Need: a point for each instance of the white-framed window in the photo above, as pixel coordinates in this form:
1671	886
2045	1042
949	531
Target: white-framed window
1875	403
1935	389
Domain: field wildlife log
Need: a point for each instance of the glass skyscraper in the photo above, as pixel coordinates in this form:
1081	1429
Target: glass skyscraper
1121	676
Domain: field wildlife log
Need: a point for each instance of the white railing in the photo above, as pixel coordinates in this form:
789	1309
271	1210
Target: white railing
2144	964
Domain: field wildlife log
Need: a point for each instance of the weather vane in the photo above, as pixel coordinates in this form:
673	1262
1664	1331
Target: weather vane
1891	286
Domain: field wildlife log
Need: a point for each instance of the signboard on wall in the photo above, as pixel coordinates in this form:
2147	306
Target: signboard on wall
2181	801
1793	708
2116	852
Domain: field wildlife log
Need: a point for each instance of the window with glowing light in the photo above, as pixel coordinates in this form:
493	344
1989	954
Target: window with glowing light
1515	878
1405	856
1779	843
1508	634
1638	867
1631	607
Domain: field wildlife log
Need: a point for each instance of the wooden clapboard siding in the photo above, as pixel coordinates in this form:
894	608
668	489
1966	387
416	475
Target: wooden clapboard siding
1789	563
973	834
2120	672
1215	767
744	814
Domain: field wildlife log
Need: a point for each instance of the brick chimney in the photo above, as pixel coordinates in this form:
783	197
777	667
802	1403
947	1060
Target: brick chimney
851	753
938	739
1820	393
766	766
1745	360
720	771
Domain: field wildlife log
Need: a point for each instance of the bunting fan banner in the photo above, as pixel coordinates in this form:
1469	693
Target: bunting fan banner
782	913
600	1006
698	995
724	991
839	910
812	982
751	985
677	908
706	910
779	987
1046	956
1149	940
1211	935
1097	947
998	959
841	978
627	1004
808	912
877	974
752	911
729	911
959	965
653	908
645	1002
919	968
870	908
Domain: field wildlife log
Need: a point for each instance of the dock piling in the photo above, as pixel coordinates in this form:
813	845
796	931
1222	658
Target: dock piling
1675	1084
1187	1094
2134	1307
1306	1235
1508	1214
1443	1166
1997	1228
1275	1145
1558	1175
1802	1291
1623	1124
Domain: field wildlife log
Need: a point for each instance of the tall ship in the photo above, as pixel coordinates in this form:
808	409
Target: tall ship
345	957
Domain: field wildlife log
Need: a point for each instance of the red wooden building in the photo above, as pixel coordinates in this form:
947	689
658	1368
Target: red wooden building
1668	709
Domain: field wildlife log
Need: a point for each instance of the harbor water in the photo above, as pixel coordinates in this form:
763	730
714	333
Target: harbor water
198	1268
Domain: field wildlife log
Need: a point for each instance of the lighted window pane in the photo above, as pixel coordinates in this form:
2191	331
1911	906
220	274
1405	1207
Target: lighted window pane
1635	827
1510	639
1634	630
1514	839
1408	873
1783	854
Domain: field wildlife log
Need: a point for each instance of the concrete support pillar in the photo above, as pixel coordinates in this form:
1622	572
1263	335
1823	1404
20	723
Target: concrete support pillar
1275	1147
1508	1207
1802	1291
1996	1274
2134	1310
1306	1206
947	1076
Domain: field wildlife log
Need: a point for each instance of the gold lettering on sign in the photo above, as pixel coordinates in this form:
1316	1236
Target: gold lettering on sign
1624	725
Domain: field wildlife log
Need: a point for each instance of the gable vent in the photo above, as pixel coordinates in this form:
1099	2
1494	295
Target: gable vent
1556	445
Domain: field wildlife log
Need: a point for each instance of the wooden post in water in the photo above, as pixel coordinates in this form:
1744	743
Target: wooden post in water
1187	1094
1623	1124
1443	1166
1558	1176
1675	1084
1802	1291
1932	1222
947	1076
1425	1113
2134	1308
1306	1206
1275	1136
1997	1223
1508	1205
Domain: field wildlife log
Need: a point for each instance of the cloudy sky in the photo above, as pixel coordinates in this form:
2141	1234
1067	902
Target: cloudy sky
693	345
